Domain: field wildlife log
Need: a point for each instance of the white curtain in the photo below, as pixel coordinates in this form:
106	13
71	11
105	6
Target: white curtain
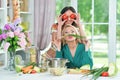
43	20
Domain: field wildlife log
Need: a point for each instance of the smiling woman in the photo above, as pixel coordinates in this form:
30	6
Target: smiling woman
72	49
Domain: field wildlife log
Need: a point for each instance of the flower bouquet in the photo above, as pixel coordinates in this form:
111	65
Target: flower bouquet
13	37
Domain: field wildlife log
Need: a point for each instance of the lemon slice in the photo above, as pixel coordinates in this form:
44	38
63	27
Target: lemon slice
87	67
112	69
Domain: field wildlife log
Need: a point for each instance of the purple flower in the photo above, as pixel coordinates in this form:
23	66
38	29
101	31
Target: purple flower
6	46
4	36
15	27
21	35
10	34
17	21
17	32
19	28
22	42
12	26
7	27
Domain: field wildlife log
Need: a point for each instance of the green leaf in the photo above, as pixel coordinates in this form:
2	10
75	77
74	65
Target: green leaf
99	72
14	42
8	39
0	31
16	38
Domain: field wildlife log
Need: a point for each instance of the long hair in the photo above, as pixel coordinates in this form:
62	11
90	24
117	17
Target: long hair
67	8
71	9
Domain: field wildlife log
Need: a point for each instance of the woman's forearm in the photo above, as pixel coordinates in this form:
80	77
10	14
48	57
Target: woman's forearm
59	32
81	30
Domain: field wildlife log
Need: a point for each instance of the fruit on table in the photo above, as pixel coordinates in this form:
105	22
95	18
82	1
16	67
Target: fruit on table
82	70
37	69
33	71
78	71
87	66
105	74
112	69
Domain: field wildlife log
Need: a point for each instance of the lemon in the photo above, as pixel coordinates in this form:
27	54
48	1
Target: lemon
36	69
87	66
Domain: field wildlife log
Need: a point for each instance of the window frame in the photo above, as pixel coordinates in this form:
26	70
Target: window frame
111	30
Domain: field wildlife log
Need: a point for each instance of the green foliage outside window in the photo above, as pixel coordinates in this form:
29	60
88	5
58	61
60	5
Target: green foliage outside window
101	13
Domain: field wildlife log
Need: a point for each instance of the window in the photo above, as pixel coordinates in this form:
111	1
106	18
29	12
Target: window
95	16
118	33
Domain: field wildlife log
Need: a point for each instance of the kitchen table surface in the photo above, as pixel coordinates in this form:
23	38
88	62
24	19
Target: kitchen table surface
12	75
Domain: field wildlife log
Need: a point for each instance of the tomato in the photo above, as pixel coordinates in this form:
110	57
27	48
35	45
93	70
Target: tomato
33	71
64	17
105	74
72	16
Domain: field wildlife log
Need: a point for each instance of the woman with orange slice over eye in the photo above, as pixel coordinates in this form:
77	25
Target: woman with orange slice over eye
68	16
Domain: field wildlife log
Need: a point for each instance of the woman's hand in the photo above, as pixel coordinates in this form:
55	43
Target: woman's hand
87	44
60	21
81	29
77	20
60	24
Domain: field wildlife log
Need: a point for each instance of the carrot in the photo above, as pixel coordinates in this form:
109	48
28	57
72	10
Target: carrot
28	67
27	70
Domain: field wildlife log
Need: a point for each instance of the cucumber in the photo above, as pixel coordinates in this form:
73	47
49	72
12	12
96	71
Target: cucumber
18	68
112	69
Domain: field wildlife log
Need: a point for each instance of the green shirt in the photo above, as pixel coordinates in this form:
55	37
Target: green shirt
80	58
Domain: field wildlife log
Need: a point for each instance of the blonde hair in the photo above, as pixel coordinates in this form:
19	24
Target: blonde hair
76	30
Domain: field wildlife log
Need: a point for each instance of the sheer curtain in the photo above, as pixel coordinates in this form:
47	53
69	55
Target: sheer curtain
44	12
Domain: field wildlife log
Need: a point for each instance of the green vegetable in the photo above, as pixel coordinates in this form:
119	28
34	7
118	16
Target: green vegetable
96	72
112	69
99	72
31	63
77	36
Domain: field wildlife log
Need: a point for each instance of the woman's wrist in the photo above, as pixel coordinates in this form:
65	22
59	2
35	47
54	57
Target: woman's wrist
59	32
86	48
79	25
59	25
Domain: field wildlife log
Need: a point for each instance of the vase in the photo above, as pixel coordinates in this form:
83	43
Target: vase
11	61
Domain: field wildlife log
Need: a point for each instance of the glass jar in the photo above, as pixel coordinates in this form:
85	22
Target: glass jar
32	51
43	64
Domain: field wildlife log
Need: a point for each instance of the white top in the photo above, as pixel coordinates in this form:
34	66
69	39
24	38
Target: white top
12	75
